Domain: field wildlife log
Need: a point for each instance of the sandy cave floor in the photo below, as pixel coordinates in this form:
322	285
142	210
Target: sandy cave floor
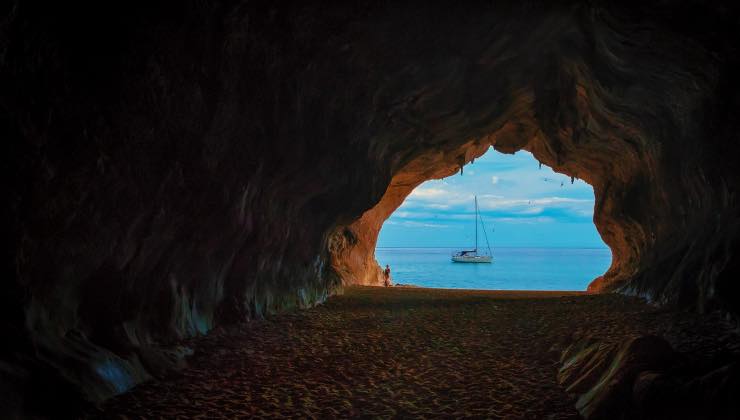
397	352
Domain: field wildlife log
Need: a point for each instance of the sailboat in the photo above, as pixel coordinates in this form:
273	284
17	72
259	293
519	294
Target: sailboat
473	256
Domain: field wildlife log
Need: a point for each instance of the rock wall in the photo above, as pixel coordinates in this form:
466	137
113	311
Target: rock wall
172	168
645	378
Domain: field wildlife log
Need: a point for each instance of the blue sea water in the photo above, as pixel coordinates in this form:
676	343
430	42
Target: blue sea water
512	268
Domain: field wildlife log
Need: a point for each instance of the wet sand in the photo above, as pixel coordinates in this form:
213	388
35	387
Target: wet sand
395	352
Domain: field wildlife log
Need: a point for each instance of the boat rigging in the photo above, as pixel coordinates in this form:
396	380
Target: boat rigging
473	256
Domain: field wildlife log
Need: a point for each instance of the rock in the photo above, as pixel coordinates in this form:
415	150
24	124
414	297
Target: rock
643	378
603	375
584	362
684	393
716	393
658	395
170	169
161	362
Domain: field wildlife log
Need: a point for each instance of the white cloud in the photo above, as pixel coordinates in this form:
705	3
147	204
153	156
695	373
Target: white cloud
414	215
428	193
438	206
519	194
524	220
411	223
530	210
437	198
447	203
500	203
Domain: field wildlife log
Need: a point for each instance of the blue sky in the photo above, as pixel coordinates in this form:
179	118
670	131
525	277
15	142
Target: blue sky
521	206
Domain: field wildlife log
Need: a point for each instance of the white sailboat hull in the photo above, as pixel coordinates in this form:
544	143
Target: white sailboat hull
472	258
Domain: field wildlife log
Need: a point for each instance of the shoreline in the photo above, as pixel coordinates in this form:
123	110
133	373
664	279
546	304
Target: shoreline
503	247
492	292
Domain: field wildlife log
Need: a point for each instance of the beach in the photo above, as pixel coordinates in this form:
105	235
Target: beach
396	352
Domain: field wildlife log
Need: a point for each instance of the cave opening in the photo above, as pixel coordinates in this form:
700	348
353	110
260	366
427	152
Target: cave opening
536	223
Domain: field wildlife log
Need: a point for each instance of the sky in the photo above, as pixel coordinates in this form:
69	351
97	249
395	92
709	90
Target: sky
521	206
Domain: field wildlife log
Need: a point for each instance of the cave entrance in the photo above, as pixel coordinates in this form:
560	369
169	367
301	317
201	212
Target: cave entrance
539	224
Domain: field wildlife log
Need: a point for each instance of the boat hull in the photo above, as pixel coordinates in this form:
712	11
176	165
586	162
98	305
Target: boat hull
472	258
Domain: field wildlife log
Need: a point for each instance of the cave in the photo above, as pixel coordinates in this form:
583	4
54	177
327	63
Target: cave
177	168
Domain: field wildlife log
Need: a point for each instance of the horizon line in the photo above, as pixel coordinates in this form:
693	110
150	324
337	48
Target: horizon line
534	247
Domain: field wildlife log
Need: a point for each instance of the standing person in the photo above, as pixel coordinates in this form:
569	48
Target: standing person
387	275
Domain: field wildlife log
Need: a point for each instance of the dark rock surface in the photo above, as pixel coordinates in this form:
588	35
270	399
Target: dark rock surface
171	167
603	375
643	377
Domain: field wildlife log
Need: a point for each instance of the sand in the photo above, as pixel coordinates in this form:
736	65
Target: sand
394	352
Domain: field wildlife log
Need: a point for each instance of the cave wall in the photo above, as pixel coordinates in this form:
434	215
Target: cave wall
174	167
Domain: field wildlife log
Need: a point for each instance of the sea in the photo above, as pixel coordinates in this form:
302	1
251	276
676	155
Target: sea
512	268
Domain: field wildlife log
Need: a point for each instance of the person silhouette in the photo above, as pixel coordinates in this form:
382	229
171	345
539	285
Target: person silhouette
387	276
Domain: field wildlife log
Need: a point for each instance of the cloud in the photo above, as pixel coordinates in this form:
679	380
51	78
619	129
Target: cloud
517	195
438	206
413	224
524	220
415	215
437	198
428	193
530	210
491	202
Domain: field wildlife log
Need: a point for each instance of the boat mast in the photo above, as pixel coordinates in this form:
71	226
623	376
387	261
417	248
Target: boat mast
476	223
485	235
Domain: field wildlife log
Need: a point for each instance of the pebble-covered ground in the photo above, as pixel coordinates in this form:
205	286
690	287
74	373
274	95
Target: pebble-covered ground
395	352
